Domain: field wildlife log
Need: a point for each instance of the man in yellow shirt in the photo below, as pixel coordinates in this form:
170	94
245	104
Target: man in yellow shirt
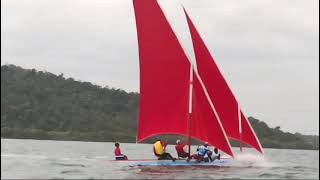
159	149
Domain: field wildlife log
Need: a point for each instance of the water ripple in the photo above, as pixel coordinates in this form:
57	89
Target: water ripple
70	171
72	165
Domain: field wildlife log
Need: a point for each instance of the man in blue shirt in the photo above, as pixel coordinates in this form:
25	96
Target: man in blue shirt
201	152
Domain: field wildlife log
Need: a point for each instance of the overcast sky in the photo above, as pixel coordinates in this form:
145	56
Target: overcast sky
268	50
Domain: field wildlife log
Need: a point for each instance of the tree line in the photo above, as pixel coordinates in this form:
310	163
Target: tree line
42	105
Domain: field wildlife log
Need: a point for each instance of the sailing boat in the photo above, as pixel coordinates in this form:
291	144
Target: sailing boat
176	98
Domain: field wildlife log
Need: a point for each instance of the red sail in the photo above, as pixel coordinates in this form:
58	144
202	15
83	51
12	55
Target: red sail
204	124
220	93
164	74
249	137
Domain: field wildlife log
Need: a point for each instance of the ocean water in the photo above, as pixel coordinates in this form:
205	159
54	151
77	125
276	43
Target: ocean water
43	159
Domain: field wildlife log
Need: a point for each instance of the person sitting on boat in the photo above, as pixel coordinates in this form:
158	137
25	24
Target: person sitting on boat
202	151
214	155
180	149
159	150
118	154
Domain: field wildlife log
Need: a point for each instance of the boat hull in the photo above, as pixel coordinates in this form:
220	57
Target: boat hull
222	162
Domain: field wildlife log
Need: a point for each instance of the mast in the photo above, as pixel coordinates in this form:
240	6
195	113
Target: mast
240	127
190	110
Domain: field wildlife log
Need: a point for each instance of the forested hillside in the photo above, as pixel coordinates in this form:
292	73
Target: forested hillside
42	105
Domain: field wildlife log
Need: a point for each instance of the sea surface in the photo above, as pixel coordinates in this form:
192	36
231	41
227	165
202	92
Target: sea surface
43	159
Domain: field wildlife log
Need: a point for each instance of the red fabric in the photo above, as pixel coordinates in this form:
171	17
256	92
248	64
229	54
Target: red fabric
117	151
219	91
204	124
248	135
179	148
164	74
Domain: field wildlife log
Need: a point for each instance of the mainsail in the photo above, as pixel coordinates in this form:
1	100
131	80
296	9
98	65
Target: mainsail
234	122
165	84
164	74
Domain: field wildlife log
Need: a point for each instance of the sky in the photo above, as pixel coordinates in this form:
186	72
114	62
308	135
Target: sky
267	50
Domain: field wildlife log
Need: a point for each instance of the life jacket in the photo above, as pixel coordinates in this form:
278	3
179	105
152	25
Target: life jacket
158	148
202	151
179	148
117	152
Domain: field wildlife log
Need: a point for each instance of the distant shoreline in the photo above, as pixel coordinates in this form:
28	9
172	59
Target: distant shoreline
31	134
42	105
2	138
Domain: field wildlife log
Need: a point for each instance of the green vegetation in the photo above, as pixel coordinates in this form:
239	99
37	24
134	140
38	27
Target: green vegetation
41	105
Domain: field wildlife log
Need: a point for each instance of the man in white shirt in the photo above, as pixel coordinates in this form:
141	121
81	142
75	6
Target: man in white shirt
214	155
